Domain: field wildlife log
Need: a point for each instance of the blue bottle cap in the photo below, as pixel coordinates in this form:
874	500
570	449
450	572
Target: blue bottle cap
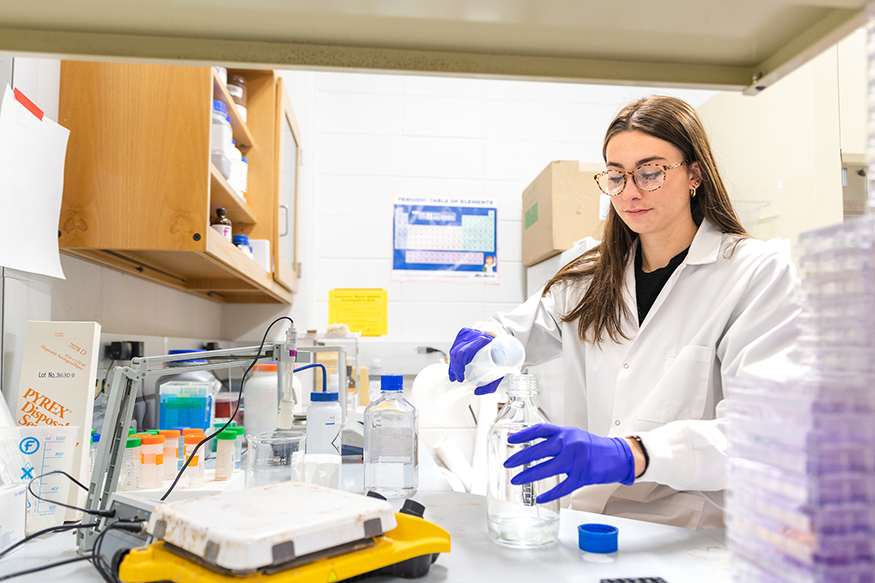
391	382
194	361
597	538
323	397
95	438
241	239
219	106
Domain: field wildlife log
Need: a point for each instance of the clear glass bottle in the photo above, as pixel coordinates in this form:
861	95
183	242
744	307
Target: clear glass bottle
391	457
514	518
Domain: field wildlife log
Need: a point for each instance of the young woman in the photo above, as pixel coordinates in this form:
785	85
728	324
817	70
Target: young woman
675	300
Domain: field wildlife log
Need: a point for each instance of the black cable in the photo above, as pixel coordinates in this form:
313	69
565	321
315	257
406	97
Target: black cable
233	415
105	513
44	567
61	528
105	378
106	571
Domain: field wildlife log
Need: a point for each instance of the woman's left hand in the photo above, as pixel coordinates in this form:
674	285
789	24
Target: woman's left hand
585	458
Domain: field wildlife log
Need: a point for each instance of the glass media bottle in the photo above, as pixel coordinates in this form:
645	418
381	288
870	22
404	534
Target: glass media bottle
514	518
390	438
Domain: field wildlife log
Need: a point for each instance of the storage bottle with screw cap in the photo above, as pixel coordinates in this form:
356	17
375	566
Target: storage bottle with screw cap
514	517
222	224
391	460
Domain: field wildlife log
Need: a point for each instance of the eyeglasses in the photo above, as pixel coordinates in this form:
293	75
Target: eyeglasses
647	177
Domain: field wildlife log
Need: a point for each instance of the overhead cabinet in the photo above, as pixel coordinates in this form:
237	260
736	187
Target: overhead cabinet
140	189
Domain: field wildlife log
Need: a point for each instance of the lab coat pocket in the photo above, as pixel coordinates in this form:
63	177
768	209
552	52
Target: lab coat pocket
682	390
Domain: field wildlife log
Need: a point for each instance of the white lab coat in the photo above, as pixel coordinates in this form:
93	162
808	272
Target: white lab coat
718	316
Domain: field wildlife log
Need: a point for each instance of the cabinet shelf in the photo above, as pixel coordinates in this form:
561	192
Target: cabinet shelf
241	132
220	272
222	195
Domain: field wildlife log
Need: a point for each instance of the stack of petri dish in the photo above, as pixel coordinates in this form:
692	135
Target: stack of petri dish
801	482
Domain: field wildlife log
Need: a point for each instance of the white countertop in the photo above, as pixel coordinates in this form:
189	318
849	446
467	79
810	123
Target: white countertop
678	555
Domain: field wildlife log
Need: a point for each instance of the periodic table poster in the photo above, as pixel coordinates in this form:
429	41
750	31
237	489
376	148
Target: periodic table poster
445	238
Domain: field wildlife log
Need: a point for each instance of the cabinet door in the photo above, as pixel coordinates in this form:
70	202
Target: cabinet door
289	154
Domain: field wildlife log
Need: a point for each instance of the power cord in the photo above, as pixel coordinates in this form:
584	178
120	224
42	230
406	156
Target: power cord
106	571
51	529
44	567
103	513
233	415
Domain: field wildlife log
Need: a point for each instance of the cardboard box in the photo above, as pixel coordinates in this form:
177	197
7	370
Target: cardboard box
560	206
13	509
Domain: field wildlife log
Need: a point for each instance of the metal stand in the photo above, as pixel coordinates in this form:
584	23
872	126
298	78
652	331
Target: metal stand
126	382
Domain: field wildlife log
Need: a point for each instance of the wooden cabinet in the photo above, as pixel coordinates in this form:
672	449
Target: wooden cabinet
139	187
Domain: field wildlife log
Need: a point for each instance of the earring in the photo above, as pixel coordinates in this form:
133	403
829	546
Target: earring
693	192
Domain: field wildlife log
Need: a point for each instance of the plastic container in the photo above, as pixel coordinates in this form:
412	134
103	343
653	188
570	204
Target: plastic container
242	243
239	171
92	454
151	461
237	88
261	252
220	139
225	454
501	357
391	428
223	74
374	379
171	452
513	516
193	476
238	446
322	462
129	479
260	395
186	403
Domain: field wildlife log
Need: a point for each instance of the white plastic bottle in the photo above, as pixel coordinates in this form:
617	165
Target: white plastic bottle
225	454
260	399
236	170
220	139
391	427
322	462
374	379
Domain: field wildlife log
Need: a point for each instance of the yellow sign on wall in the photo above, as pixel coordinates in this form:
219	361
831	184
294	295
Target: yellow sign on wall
364	310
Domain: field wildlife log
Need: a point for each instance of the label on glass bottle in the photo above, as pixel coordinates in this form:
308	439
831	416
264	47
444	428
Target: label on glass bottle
224	230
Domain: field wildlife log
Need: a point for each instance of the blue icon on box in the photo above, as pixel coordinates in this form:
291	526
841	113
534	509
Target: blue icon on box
29	445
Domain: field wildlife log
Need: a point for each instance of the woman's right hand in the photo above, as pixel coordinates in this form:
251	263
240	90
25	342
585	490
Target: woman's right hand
468	342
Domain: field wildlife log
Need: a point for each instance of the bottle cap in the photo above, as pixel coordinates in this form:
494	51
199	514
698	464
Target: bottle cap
193	438
228	435
192	431
152	440
241	240
271	367
219	106
95	438
131	431
222	424
245	161
133	442
240	430
170	433
193	361
320	397
391	382
597	538
152	432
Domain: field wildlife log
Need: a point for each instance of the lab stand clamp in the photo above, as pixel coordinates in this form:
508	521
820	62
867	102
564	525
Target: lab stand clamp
126	383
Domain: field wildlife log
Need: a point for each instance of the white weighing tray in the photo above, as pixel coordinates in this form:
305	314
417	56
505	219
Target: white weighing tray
252	529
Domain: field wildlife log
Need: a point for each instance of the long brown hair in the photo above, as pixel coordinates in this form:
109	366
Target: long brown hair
601	310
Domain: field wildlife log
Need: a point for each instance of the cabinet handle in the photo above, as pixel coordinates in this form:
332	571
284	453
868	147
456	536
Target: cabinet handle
286	222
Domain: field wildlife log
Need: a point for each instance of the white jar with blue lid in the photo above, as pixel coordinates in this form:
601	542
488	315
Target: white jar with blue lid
242	243
220	139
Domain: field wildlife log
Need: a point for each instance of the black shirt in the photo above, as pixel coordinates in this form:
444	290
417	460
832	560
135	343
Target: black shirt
648	285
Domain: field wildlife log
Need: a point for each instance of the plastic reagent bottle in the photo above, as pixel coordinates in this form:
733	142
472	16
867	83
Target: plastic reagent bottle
171	452
502	357
151	461
225	454
193	476
220	139
514	518
129	479
322	462
374	379
391	428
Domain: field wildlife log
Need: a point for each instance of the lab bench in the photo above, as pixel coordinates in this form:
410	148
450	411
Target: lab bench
677	555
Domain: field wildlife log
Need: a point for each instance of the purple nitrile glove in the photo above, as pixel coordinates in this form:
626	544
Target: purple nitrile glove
583	457
467	343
